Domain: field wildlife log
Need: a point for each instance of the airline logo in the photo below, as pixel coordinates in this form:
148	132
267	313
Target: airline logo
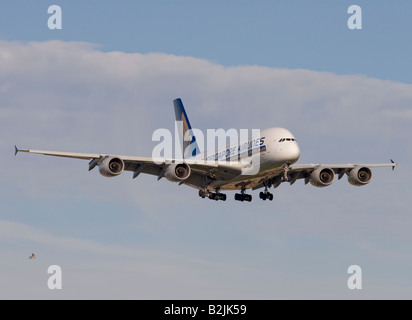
237	152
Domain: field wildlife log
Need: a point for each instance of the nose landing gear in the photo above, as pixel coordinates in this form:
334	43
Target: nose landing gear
285	168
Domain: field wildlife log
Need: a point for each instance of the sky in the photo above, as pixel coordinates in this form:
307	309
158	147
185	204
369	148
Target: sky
106	81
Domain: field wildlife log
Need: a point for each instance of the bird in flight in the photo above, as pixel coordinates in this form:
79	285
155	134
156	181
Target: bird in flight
33	256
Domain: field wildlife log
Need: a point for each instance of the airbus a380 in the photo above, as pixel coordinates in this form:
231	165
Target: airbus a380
211	173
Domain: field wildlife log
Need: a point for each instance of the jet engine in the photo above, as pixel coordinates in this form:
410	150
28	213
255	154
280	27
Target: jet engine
322	177
359	176
111	167
177	172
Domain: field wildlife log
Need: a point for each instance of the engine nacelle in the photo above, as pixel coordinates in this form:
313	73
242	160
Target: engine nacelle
177	172
111	167
322	177
359	176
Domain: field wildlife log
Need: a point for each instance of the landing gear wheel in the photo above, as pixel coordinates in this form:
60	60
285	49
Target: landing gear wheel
212	195
266	195
243	197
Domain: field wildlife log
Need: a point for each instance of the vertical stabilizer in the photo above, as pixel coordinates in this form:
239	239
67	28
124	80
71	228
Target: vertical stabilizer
190	147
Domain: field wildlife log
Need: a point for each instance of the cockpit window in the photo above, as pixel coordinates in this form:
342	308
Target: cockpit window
287	139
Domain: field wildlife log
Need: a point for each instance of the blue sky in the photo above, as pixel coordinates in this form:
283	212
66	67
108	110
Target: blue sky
290	34
106	82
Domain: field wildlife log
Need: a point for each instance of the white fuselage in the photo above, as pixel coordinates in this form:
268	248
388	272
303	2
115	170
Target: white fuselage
274	147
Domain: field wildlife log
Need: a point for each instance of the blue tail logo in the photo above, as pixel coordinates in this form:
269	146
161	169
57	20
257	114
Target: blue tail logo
190	147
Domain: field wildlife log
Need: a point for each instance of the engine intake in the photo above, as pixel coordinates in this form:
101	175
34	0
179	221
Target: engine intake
322	177
359	176
111	167
177	172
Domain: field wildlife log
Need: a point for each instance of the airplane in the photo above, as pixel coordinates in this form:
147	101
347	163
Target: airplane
211	173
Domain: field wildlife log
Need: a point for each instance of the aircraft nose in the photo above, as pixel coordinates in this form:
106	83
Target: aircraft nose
294	152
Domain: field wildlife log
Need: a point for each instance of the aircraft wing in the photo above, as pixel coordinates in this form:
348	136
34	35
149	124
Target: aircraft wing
217	170
303	171
203	172
337	168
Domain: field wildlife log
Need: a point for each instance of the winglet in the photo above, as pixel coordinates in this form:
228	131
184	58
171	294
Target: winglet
15	150
394	165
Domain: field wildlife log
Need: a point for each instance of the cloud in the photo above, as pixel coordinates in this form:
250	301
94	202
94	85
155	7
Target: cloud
89	268
69	96
85	263
70	87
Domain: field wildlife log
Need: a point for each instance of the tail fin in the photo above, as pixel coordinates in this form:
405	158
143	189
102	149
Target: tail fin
190	147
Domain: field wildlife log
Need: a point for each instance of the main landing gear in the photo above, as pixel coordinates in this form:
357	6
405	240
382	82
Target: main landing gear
243	196
212	195
266	195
